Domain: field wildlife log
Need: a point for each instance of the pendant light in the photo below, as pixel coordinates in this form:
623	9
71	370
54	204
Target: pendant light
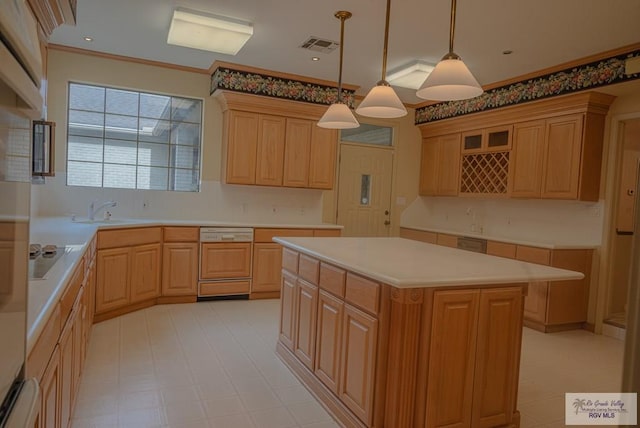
451	80
339	115
382	101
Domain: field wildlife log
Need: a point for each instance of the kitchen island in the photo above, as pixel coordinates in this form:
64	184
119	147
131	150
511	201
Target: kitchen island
389	332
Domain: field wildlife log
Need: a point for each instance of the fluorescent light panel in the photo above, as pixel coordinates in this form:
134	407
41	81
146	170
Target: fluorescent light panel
411	75
208	32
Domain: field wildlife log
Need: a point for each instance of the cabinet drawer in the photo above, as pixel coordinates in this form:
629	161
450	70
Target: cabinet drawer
69	296
266	235
225	260
128	237
419	235
332	279
290	260
501	249
362	293
224	288
447	240
330	233
44	347
308	269
541	256
181	234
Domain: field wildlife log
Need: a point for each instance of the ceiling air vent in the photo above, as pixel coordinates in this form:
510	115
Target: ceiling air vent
319	45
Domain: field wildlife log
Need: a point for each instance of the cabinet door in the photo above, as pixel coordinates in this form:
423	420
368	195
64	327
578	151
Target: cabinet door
358	360
225	260
145	272
287	309
535	304
50	391
66	371
270	151
296	153
525	162
242	143
452	353
449	170
497	357
112	287
328	340
77	348
305	338
180	269
563	146
267	263
322	164
429	167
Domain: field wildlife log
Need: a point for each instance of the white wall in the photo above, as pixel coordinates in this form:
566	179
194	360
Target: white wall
543	221
215	202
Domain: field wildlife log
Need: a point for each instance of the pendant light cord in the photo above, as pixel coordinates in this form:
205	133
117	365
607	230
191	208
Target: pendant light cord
342	18
452	25
386	43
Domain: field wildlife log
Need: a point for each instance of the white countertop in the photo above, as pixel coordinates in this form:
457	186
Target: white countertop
539	244
404	263
61	231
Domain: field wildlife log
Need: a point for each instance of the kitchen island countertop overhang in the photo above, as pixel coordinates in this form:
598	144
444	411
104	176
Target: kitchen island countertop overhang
404	263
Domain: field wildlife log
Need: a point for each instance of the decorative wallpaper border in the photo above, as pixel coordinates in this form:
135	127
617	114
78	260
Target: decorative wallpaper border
277	87
587	76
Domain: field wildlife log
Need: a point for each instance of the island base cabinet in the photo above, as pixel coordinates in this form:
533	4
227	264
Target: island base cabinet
328	341
287	309
305	321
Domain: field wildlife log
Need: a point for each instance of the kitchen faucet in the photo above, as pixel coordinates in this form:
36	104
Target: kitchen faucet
92	209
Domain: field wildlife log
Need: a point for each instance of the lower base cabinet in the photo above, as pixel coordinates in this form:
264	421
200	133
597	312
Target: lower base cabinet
378	356
50	415
180	269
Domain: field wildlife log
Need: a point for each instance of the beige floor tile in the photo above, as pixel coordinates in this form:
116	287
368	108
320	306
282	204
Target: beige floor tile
278	417
546	410
259	400
236	421
308	412
183	412
327	424
140	418
179	394
223	407
293	394
88	408
104	421
139	400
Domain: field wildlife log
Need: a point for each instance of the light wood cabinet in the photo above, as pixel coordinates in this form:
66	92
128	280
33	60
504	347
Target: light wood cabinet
323	153
288	309
270	150
180	269
66	345
440	166
297	153
419	235
112	287
447	240
50	411
497	138
145	272
563	146
305	322
358	362
466	387
525	163
128	270
328	341
267	263
242	143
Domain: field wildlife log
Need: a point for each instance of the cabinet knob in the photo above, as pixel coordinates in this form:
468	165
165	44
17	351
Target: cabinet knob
387	222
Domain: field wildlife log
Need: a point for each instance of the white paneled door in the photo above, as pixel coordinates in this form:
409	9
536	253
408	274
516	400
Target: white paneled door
364	190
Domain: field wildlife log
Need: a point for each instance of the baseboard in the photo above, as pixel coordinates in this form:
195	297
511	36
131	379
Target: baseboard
124	310
165	300
265	295
544	328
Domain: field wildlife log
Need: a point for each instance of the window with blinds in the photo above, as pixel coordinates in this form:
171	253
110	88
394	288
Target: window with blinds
133	140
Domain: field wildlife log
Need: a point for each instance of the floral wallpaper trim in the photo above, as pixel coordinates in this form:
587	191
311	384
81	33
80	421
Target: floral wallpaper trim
277	87
588	76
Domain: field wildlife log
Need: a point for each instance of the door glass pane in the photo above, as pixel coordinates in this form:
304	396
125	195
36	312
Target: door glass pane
472	142
365	190
498	139
369	134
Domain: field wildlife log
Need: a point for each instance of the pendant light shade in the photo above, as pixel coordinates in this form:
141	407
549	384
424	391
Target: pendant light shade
339	115
382	101
451	80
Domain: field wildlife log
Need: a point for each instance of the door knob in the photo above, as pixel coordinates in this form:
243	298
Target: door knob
386	212
387	222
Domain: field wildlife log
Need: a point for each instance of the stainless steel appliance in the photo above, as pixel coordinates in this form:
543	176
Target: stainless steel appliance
20	103
225	261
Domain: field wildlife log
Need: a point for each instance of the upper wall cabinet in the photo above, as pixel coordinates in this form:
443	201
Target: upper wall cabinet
549	149
269	142
439	172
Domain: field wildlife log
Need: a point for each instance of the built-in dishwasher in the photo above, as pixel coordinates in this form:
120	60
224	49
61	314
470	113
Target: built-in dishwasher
225	261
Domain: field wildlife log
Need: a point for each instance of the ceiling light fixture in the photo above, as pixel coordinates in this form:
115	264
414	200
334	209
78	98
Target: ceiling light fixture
411	75
451	79
200	30
382	101
315	58
339	115
88	39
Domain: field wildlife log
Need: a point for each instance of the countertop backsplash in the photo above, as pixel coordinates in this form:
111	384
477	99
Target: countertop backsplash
566	222
215	201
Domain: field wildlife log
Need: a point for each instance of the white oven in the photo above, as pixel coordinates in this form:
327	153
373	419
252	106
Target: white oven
225	261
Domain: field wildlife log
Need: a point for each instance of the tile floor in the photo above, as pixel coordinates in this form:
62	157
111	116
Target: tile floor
212	364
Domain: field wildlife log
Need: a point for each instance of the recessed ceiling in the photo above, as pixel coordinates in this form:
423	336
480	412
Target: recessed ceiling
540	33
